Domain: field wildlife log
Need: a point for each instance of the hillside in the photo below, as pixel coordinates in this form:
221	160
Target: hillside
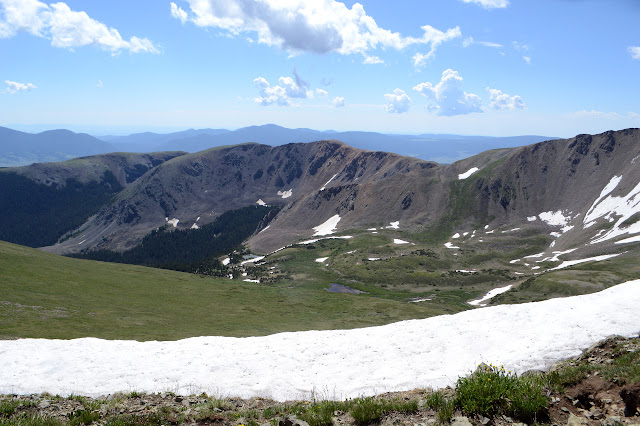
44	202
550	188
20	148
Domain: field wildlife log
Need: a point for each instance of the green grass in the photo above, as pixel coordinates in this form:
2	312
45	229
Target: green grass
49	296
491	391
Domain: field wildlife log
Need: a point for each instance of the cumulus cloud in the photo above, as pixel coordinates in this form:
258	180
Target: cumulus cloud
489	4
635	52
178	13
14	87
64	27
397	102
338	101
447	97
288	88
318	26
502	101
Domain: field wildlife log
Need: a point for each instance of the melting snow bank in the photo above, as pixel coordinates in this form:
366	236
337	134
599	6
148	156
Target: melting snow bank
289	366
490	295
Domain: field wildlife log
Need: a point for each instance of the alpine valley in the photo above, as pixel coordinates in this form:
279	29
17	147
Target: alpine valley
408	238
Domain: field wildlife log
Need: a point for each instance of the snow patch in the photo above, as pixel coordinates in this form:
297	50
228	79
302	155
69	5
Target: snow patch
490	295
321	259
328	227
195	226
373	259
173	221
394	225
252	260
424	299
251	281
450	246
328	182
554	218
397	241
629	240
82	241
568	263
463	271
262	203
456	235
532	218
608	206
468	173
285	194
226	261
510	230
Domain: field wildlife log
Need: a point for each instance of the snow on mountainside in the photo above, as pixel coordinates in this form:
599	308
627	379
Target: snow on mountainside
329	364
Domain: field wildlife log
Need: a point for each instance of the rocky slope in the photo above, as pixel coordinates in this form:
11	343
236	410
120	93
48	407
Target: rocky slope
551	187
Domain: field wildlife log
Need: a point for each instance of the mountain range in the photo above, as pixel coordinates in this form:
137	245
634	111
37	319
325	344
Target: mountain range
580	192
18	148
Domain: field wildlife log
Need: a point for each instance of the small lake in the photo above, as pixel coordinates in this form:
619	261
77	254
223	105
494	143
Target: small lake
339	288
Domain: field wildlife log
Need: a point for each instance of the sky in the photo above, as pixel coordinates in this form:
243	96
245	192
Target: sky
482	67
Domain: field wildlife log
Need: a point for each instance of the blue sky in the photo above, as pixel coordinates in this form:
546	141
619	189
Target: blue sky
488	67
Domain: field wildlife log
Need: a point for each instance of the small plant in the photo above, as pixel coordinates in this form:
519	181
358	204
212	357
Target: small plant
7	408
492	390
320	414
31	420
442	405
366	410
83	417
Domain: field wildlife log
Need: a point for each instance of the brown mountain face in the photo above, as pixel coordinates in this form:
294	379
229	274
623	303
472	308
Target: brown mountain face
126	167
317	181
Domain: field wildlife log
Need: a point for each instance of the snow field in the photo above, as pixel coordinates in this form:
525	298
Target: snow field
467	173
328	227
431	352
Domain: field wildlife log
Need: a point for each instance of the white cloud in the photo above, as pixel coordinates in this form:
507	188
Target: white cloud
436	38
318	26
338	101
502	101
397	102
519	46
527	59
469	41
64	27
634	51
178	13
372	60
447	97
100	85
270	95
14	87
287	88
489	4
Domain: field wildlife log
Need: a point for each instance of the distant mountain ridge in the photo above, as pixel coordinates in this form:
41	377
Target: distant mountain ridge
440	148
19	148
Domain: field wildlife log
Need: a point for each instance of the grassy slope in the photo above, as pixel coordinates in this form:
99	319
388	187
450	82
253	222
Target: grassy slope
48	296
